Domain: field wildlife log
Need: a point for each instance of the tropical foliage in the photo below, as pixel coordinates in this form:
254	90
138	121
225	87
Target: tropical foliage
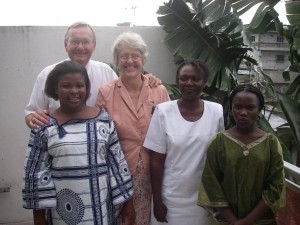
211	31
212	35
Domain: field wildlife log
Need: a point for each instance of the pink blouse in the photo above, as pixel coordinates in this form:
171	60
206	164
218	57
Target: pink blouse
132	123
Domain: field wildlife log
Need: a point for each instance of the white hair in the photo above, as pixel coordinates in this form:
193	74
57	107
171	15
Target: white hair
132	40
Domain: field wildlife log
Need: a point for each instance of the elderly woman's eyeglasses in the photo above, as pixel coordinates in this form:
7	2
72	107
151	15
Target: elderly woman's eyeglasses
83	42
133	57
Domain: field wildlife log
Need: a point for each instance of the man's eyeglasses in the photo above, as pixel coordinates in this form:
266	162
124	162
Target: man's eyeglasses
83	42
133	57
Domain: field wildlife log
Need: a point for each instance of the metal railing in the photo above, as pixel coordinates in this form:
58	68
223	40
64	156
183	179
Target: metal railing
292	177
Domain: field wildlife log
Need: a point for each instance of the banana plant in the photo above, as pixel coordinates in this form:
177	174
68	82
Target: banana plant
290	100
211	31
264	17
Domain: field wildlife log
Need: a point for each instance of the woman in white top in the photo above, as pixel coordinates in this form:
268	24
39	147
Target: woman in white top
178	136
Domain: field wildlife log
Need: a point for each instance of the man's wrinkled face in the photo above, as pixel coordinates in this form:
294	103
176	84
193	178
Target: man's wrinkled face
80	45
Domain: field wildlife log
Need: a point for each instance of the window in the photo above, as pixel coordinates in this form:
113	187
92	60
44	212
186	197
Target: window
280	58
252	38
280	39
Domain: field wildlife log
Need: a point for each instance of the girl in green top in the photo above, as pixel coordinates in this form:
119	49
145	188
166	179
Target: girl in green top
243	177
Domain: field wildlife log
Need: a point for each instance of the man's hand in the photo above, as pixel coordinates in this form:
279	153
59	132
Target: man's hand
153	80
36	119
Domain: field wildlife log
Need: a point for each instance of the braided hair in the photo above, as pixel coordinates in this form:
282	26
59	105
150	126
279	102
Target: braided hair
248	88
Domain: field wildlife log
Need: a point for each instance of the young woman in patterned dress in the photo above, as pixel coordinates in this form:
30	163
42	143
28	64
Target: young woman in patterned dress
74	164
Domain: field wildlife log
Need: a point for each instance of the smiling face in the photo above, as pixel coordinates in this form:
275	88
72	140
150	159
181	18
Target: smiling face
129	62
80	44
245	109
71	91
191	82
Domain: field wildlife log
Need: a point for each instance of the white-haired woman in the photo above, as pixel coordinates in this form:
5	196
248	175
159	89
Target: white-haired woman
131	101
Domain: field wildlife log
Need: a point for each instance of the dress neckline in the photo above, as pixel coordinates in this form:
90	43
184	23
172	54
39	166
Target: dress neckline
60	127
251	144
200	119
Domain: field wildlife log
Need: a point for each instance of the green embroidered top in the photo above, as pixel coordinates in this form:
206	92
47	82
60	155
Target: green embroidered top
238	176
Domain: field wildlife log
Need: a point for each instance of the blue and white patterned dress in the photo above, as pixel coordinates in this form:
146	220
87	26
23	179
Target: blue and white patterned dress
77	170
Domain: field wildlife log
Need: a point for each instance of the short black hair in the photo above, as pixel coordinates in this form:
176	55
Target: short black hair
200	66
248	88
62	69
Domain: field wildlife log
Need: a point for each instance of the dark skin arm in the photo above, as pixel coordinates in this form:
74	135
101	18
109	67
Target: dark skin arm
228	214
39	217
259	210
128	213
157	162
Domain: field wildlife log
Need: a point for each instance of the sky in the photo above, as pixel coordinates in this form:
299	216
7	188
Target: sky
94	12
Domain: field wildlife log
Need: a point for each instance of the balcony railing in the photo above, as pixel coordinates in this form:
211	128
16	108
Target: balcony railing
292	177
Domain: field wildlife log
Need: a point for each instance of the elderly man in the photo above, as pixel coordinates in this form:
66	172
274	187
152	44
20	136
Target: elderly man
80	43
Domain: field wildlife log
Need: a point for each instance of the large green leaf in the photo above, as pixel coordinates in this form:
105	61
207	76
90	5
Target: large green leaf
218	42
213	10
265	125
263	19
242	6
293	15
286	139
293	12
294	86
292	115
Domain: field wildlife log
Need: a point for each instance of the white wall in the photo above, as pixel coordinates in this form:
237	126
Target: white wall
25	51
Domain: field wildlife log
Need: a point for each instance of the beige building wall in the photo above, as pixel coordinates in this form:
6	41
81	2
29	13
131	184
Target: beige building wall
25	51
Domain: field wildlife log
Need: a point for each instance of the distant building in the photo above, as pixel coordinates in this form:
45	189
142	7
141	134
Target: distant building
272	52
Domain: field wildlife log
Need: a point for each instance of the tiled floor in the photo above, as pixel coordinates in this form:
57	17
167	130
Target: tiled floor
19	223
290	215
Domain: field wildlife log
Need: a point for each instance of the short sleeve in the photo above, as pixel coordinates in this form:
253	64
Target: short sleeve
156	135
